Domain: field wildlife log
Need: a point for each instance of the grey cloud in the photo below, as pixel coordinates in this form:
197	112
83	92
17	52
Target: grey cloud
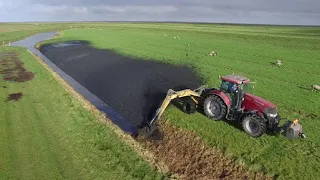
243	5
133	9
231	11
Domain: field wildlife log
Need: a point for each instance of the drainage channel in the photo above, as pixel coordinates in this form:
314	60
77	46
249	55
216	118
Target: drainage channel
112	114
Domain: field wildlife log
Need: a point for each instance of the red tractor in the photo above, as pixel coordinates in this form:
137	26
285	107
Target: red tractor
233	102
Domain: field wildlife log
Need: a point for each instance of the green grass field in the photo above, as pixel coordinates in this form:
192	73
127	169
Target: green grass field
245	50
17	31
47	134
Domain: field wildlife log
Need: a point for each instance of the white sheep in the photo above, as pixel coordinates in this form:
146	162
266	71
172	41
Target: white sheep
213	53
278	63
315	87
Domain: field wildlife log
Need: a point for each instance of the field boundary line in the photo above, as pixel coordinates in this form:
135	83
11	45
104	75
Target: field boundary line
126	138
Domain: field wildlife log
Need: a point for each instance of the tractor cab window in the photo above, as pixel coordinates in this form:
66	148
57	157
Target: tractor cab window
227	87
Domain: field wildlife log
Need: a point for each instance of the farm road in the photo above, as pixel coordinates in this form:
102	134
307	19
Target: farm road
133	87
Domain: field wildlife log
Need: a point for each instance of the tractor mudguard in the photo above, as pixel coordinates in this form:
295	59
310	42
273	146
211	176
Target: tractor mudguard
222	95
250	112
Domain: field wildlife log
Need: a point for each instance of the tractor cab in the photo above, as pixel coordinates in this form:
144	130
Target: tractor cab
235	86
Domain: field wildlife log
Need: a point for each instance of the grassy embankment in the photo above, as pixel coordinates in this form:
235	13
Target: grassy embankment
48	134
246	50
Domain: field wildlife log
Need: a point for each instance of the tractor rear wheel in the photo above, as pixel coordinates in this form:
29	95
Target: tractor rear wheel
214	107
253	125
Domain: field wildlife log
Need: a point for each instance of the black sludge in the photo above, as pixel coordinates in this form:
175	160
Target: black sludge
133	87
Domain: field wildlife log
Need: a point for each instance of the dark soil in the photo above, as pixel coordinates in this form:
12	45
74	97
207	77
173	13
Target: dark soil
11	67
133	87
187	155
14	96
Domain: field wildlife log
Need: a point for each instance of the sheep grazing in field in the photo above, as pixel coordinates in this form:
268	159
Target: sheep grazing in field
213	53
176	37
278	63
315	87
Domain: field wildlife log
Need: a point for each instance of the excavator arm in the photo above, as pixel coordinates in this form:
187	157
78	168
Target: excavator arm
170	96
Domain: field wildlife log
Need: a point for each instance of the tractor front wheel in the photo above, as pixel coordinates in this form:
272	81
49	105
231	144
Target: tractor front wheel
253	125
189	106
214	107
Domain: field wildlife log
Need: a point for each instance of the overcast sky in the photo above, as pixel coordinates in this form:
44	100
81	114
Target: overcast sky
300	12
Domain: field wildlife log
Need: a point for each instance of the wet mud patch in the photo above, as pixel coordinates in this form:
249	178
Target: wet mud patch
14	97
186	155
12	68
133	87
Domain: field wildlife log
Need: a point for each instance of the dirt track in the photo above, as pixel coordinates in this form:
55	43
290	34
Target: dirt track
187	156
133	87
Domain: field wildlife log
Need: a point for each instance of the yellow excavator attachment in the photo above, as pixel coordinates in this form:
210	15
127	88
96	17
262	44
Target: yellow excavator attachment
171	94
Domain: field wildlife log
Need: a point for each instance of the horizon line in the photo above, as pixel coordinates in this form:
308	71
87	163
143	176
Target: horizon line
181	22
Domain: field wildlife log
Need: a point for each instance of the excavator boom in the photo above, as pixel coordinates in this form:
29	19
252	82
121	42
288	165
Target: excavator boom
170	96
148	130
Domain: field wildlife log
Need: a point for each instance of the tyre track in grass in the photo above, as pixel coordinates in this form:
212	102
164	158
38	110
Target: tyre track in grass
7	133
45	138
8	137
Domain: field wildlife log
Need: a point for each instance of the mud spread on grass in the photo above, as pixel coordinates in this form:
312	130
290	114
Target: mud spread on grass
12	69
187	155
14	97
